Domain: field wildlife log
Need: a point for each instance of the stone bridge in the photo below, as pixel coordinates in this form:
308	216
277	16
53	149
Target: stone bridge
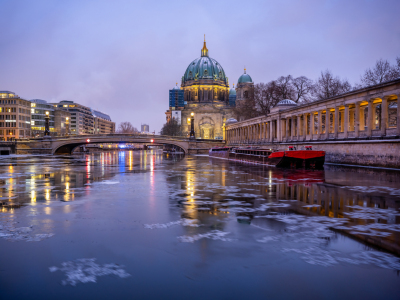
360	127
66	145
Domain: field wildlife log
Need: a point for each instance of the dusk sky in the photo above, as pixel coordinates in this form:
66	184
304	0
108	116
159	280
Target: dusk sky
122	57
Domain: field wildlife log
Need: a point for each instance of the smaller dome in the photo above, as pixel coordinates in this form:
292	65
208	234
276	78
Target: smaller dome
232	92
230	121
286	102
176	87
245	78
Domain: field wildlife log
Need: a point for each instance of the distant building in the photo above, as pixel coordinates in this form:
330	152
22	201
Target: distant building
102	123
38	114
82	119
62	122
15	117
176	98
144	128
176	114
232	96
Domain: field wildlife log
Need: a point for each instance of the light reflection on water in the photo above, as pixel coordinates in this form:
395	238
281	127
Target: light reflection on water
240	214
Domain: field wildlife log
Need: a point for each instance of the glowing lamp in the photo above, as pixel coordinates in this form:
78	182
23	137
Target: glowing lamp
47	113
152	141
67	118
192	114
88	140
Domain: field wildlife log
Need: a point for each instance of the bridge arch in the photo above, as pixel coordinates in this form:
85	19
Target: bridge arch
67	145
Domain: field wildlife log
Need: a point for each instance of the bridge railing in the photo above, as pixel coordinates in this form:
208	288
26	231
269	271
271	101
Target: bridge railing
130	135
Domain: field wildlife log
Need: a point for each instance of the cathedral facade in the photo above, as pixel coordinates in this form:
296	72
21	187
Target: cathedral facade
206	93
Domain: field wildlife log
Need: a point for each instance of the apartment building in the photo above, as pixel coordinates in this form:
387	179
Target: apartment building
102	123
82	119
15	117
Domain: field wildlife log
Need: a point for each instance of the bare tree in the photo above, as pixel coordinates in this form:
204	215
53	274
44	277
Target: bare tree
303	89
172	128
381	72
126	127
284	88
329	86
265	97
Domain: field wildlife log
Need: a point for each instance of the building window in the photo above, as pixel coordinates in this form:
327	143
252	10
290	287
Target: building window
205	73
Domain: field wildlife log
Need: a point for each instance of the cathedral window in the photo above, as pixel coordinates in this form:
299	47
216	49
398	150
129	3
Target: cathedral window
205	73
246	94
190	74
220	74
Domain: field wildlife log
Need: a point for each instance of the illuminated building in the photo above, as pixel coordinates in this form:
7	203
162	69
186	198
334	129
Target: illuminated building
82	120
144	128
102	123
15	117
38	113
206	93
62	121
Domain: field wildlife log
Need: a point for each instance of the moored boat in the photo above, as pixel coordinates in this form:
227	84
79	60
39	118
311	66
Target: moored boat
221	152
308	159
293	158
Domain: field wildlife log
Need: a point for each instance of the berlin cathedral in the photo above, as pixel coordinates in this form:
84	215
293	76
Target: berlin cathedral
205	92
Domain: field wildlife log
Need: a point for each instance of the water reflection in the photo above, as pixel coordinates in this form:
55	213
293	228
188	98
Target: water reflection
196	217
258	195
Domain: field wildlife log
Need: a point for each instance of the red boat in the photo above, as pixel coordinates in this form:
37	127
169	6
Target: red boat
308	159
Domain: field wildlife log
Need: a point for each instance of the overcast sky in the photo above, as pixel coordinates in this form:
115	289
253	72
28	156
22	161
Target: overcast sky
122	57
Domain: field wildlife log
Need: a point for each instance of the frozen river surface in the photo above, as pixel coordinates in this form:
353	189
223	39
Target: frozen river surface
140	225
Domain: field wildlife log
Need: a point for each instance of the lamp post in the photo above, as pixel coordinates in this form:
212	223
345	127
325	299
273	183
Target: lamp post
66	126
46	124
192	126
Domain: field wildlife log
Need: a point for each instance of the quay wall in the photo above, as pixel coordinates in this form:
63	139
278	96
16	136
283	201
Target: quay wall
375	153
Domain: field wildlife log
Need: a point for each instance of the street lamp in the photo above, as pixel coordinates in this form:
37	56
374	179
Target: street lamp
67	126
192	126
46	128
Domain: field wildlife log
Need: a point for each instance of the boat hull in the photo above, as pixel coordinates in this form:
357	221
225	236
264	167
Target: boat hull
307	159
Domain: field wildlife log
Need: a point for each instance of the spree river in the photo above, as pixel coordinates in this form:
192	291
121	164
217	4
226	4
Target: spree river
143	225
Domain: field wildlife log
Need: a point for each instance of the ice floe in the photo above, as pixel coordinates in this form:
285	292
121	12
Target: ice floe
86	270
213	235
371	213
183	222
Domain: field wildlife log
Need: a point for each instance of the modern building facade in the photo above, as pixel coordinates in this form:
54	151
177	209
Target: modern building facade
15	117
82	119
144	128
206	94
62	121
38	113
102	123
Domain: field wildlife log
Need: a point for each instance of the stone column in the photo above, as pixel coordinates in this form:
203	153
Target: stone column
346	121
398	115
287	128
292	133
320	124
298	127
357	120
304	127
336	127
384	116
312	125
278	129
370	117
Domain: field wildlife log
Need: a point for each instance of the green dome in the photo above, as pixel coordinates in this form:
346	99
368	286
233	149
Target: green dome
232	92
204	68
245	78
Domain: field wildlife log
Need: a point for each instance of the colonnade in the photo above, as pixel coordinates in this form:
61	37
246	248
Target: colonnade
376	117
